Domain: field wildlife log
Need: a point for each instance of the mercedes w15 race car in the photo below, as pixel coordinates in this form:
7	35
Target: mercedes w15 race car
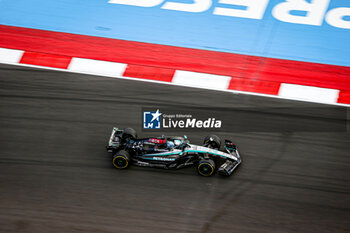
172	152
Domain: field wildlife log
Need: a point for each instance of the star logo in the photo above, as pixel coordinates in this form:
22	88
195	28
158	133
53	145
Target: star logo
156	115
151	120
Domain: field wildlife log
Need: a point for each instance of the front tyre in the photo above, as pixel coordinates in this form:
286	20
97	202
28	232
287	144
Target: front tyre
121	159
206	167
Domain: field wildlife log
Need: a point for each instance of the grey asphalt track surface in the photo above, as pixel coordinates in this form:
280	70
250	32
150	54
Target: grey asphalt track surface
55	175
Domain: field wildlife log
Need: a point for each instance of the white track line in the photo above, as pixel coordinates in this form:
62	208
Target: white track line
308	93
10	56
103	68
201	80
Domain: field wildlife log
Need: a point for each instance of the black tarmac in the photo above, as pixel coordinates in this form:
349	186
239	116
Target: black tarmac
55	175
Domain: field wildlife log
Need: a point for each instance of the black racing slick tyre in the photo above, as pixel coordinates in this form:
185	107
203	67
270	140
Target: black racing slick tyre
121	159
129	133
206	167
212	141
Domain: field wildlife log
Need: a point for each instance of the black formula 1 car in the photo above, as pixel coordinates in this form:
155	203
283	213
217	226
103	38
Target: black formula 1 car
172	152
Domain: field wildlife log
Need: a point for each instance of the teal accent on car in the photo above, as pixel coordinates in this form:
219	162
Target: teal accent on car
165	159
163	154
198	151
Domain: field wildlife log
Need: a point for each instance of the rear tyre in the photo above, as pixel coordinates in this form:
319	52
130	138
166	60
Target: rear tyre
212	141
129	133
121	159
206	167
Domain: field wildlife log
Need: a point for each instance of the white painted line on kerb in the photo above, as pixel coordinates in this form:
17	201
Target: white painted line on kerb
103	68
308	93
10	56
194	79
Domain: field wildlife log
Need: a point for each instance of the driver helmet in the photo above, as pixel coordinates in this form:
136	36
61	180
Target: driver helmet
170	144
